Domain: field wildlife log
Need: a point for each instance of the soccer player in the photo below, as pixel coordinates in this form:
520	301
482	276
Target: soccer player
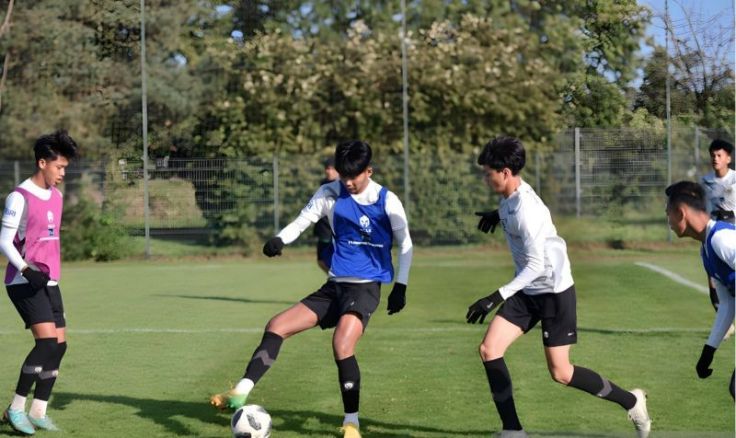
322	229
720	196
687	217
366	219
542	290
30	239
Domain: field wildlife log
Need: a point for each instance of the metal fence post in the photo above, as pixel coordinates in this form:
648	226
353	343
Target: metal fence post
577	172
276	226
537	179
697	149
16	172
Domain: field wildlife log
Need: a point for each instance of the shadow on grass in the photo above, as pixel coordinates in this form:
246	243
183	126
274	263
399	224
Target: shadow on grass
165	413
229	299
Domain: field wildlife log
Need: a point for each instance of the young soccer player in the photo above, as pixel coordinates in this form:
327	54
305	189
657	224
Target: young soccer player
30	239
365	219
720	195
322	229
542	290
688	217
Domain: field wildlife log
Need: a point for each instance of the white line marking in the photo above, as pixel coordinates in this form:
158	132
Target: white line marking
468	329
674	277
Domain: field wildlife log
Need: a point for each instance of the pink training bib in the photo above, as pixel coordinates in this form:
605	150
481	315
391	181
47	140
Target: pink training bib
42	245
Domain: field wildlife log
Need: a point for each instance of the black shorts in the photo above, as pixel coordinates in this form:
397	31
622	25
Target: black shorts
43	305
334	299
557	311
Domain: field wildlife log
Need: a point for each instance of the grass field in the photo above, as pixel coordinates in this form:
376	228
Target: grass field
149	341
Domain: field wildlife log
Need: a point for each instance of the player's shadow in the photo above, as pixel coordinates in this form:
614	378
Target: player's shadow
228	299
161	412
321	424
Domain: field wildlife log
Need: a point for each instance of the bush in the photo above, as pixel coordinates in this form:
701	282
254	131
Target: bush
89	233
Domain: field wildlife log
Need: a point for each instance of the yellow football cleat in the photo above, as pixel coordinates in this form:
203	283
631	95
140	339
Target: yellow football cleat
350	430
228	400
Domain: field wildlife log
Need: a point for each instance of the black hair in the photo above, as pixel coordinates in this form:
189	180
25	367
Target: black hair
352	158
49	147
686	192
329	162
719	144
503	152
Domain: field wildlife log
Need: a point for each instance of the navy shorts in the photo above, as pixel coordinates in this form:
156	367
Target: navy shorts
37	306
557	311
334	299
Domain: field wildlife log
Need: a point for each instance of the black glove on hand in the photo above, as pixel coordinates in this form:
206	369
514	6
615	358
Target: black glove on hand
706	357
397	298
483	307
273	247
36	279
488	220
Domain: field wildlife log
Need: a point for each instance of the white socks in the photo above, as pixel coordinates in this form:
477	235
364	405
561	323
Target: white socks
38	408
244	387
18	403
351	418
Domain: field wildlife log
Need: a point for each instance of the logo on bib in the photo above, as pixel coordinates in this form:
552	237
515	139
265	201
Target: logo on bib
365	227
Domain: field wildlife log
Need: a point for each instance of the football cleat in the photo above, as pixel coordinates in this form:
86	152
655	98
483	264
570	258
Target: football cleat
44	423
350	430
639	415
19	421
228	400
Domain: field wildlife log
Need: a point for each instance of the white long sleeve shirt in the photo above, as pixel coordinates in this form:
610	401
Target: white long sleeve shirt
720	193
540	255
724	247
322	204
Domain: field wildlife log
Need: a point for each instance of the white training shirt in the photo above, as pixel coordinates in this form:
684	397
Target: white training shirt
539	254
724	246
15	219
720	192
322	204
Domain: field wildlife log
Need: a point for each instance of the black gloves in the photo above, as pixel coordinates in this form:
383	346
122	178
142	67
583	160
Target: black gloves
488	220
397	298
273	247
36	279
483	307
706	357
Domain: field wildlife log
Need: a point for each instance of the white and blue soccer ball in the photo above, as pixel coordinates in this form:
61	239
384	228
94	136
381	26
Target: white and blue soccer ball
251	421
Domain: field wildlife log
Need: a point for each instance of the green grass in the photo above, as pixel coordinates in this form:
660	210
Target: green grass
149	341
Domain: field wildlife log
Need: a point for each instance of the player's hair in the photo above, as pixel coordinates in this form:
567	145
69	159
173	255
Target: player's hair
329	162
719	144
49	147
503	152
686	192
352	158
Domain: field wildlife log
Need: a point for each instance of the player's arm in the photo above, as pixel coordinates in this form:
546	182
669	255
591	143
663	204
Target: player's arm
400	229
311	213
529	226
721	324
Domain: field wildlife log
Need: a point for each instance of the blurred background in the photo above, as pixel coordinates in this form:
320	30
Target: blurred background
245	99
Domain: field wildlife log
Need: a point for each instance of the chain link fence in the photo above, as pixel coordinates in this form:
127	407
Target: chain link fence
609	176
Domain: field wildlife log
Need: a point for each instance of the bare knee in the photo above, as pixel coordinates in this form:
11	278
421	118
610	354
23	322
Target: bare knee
561	374
342	347
488	351
274	326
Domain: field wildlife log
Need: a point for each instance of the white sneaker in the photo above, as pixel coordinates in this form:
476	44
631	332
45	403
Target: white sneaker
512	434
639	415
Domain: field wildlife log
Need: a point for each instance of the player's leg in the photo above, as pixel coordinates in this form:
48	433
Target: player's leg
730	386
36	311
47	377
290	322
500	335
559	331
347	334
356	302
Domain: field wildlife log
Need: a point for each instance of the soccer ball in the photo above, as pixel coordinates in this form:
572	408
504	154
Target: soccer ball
251	421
